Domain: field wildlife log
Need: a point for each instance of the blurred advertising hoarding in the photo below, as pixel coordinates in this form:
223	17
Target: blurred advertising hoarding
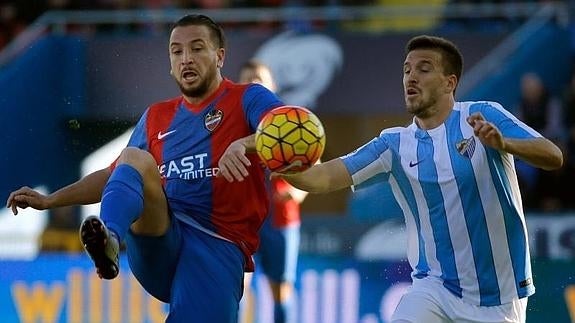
64	288
348	271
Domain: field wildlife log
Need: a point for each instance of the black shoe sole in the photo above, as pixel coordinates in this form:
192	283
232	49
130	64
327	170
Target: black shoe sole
94	238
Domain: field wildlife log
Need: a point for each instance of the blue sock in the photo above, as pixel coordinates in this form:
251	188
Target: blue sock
122	200
280	312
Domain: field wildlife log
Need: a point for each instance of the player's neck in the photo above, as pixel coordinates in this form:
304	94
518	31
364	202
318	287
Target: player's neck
442	110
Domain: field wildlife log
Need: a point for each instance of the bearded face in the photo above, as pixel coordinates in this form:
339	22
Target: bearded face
424	81
195	60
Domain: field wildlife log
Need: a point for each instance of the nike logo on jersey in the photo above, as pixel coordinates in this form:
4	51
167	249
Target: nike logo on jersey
413	164
163	135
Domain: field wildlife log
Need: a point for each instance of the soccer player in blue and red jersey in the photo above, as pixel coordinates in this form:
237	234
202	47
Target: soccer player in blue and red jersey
452	172
188	194
280	234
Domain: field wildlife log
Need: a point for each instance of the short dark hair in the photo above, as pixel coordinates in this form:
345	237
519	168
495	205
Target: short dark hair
452	59
202	20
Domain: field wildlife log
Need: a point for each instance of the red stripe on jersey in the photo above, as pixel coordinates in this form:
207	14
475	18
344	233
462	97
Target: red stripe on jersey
159	119
160	116
239	208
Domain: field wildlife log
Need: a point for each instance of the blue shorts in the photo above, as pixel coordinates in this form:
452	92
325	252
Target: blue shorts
278	252
201	276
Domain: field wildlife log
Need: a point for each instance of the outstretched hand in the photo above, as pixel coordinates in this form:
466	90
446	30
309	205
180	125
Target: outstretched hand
486	131
26	197
233	163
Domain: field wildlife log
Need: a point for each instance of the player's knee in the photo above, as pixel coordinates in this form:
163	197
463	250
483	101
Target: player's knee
140	159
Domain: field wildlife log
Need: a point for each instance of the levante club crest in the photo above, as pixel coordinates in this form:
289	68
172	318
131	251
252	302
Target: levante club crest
213	119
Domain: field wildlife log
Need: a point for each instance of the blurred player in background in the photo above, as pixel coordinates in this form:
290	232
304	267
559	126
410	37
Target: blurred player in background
190	230
452	172
277	254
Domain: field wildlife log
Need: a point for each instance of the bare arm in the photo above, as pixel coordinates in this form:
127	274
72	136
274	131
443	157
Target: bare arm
320	178
249	142
539	152
87	190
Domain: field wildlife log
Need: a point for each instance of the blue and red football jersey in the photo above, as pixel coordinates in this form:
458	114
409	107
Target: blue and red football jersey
187	141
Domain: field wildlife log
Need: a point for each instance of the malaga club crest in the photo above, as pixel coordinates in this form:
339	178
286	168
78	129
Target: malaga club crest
466	147
213	119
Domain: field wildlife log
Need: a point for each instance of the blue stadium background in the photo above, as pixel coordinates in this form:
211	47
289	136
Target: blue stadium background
74	80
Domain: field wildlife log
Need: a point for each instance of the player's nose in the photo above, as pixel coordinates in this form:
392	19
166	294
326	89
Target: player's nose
187	57
411	77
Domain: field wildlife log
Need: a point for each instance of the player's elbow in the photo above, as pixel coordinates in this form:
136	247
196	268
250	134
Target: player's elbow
554	160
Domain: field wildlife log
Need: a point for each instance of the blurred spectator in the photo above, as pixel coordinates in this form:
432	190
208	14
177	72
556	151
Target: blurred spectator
10	23
568	105
538	108
568	108
542	112
17	15
551	192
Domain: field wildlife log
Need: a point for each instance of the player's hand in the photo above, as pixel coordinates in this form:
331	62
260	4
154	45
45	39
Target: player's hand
486	131
26	197
233	164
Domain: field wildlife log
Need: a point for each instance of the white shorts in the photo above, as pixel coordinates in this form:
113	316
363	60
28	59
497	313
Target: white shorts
428	301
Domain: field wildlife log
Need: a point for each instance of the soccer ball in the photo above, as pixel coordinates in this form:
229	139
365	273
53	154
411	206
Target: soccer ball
290	139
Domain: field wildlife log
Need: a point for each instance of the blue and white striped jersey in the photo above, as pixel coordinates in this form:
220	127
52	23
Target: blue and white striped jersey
461	201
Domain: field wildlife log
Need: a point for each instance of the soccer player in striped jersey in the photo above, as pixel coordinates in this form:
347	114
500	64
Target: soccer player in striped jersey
190	230
280	234
452	172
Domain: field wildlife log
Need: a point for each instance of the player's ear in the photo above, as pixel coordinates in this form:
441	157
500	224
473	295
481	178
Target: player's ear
221	57
451	83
